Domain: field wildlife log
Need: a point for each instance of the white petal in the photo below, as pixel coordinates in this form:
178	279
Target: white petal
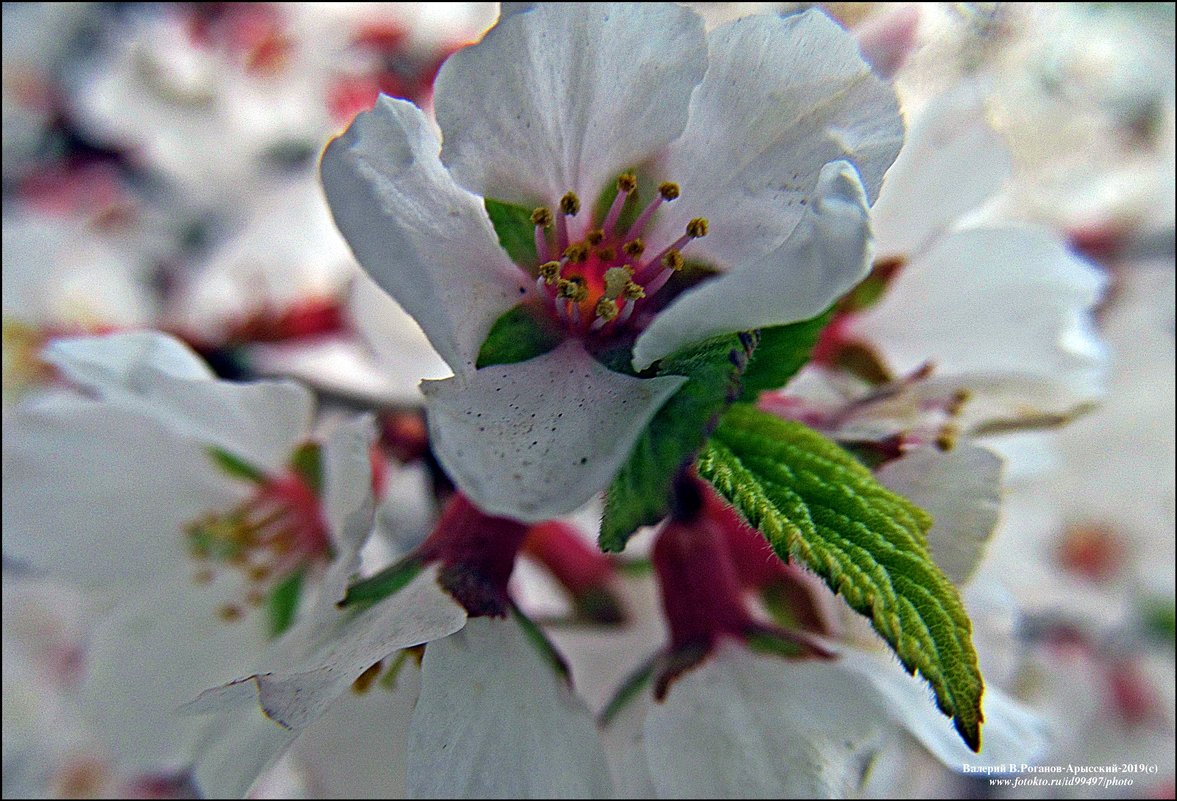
357	749
298	694
125	361
782	97
495	720
961	489
826	254
155	654
624	739
747	726
994	301
347	471
156	375
1011	734
952	161
425	240
538	439
101	494
236	750
566	97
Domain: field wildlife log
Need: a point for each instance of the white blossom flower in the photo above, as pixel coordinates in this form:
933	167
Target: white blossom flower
188	504
768	136
495	714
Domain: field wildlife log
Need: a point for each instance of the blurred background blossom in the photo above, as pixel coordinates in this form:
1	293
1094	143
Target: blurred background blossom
160	171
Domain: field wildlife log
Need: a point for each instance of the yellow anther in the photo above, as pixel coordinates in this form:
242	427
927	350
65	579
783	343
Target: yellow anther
572	289
595	236
616	279
549	271
673	260
697	227
542	217
606	309
959	399
946	439
607	254
634	249
577	253
634	291
669	190
570	204
627	182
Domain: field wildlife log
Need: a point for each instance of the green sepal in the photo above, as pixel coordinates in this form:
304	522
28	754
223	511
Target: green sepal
782	351
515	231
282	603
235	466
637	681
379	586
307	463
520	334
641	491
872	289
819	506
535	635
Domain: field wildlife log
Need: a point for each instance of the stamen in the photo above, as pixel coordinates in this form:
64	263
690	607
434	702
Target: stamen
570	204
625	314
667	192
634	248
549	272
606	309
607	254
577	253
634	291
626	183
541	218
572	289
672	263
697	228
595	236
659	281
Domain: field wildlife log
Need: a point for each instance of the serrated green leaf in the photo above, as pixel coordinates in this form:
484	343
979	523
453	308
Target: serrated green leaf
515	231
641	492
782	351
283	602
519	335
235	466
816	504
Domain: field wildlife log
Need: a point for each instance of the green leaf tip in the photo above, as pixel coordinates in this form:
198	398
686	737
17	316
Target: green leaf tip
818	505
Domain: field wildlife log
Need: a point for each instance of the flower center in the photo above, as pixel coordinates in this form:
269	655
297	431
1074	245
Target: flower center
276	532
595	282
